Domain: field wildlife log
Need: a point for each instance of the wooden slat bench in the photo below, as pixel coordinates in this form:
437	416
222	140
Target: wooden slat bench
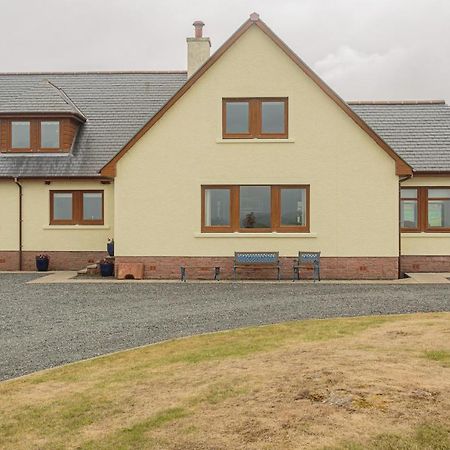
259	260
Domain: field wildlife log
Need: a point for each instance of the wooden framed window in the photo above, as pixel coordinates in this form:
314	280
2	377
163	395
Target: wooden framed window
36	135
255	118
76	207
255	208
425	209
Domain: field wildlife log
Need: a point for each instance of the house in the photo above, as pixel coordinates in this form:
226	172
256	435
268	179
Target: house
248	151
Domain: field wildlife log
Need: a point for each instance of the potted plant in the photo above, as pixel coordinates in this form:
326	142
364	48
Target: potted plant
106	268
110	247
42	261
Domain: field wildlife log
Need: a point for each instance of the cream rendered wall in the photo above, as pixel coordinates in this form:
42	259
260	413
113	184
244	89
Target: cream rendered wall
39	235
426	243
9	213
354	190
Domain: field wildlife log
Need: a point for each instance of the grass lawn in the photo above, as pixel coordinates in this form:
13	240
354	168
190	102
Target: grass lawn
357	383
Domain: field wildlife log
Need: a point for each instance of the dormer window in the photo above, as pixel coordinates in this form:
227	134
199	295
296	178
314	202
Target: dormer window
40	135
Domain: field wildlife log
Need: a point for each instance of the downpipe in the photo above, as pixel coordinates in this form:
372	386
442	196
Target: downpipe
16	180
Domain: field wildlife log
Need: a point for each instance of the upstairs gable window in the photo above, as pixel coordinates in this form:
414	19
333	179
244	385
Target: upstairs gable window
255	118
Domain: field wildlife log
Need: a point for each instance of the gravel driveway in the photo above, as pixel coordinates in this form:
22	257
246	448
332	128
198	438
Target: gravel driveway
43	325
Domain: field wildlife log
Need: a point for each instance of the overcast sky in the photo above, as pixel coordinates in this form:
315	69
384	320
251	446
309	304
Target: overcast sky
365	49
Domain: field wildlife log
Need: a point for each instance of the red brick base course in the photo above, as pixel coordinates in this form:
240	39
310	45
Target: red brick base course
9	260
168	267
425	263
58	260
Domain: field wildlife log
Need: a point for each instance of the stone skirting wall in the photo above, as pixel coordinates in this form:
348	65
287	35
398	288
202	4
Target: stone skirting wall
425	263
168	267
58	260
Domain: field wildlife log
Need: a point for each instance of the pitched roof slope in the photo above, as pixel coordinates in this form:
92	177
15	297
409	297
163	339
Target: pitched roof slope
39	97
115	105
418	131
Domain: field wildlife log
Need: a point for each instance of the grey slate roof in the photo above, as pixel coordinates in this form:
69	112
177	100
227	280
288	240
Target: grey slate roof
418	131
117	105
41	96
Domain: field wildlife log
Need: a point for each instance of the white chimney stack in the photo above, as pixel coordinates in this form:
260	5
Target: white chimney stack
198	49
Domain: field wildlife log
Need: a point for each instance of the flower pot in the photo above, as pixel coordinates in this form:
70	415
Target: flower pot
106	269
110	248
42	264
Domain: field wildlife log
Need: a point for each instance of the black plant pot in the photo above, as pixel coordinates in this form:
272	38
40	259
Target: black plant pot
110	248
42	264
107	269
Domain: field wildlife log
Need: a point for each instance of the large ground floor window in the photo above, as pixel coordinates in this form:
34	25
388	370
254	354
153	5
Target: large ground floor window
255	208
76	208
425	209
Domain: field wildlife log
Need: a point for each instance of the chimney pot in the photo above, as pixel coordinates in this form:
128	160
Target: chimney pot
198	25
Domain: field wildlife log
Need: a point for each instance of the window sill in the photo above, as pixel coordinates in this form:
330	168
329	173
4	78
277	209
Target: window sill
255	141
76	227
443	234
255	235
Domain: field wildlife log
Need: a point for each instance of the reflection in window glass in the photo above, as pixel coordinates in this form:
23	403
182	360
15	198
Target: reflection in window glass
217	207
92	206
62	206
409	193
408	213
293	207
273	117
439	193
254	205
237	117
20	134
50	134
439	213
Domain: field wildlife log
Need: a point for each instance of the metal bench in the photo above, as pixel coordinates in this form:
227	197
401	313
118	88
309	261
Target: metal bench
183	273
261	260
307	260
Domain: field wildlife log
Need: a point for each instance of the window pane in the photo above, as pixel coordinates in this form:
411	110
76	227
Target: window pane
409	193
92	206
254	207
49	134
438	193
217	207
293	207
62	206
439	213
237	117
272	117
20	134
408	213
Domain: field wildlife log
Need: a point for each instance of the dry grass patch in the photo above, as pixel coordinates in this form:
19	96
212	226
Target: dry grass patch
373	382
